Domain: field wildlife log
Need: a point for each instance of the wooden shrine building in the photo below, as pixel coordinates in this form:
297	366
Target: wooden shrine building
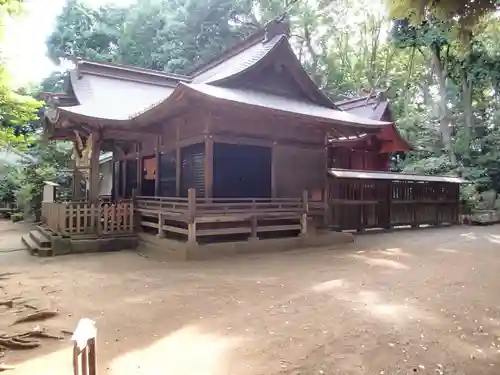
238	149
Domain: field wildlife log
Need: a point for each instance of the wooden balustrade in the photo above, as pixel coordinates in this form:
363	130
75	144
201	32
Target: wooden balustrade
75	218
193	218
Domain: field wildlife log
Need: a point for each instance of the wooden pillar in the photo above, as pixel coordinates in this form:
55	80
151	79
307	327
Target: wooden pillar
388	197
158	165
160	234
303	220
274	190
123	164
327	218
178	165
140	172
77	184
361	226
192	216
209	166
94	168
253	223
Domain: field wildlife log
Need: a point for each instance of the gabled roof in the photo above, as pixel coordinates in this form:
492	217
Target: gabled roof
371	105
239	62
375	106
111	94
107	98
282	104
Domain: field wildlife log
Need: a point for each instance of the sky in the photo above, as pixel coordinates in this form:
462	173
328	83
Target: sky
24	48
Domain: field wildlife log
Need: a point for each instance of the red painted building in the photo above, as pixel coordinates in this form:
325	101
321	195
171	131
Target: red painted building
367	151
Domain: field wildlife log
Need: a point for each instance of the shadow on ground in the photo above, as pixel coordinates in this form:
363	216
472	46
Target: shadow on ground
415	301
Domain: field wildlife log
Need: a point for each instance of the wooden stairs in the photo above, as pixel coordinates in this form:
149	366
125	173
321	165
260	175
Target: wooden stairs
39	242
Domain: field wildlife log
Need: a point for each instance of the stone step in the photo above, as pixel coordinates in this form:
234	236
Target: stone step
45	252
40	239
47	233
30	244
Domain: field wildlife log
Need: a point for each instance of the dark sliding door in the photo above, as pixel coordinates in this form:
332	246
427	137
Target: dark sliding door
131	174
193	169
167	175
242	171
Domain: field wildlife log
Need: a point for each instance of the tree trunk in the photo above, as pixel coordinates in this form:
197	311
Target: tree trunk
313	55
444	115
467	104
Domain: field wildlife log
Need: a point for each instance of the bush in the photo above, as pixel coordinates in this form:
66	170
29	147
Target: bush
16	217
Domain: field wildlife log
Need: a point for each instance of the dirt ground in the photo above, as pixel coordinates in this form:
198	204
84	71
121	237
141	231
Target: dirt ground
407	302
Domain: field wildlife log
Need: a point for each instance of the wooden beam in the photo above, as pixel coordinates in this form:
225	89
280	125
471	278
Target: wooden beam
241	140
209	166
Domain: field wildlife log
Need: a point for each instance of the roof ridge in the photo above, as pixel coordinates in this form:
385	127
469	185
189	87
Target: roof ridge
236	48
264	34
133	69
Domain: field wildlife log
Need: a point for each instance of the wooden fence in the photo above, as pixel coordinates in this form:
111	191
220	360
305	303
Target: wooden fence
358	204
82	218
193	218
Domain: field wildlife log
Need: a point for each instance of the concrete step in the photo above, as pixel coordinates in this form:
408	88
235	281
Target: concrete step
41	240
30	244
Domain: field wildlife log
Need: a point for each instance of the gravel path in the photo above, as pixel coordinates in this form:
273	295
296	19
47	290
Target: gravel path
424	301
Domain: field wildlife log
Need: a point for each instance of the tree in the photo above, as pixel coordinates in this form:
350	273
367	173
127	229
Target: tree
467	13
17	111
168	35
85	32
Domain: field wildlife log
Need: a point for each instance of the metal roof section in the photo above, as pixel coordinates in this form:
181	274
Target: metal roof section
113	99
239	62
370	106
284	104
130	73
271	29
372	175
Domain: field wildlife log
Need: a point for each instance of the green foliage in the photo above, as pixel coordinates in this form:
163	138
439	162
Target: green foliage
444	93
17	111
156	34
17	216
48	162
8	184
467	13
85	32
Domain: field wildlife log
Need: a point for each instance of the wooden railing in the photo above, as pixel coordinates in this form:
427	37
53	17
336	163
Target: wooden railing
6	207
362	204
73	218
194	217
